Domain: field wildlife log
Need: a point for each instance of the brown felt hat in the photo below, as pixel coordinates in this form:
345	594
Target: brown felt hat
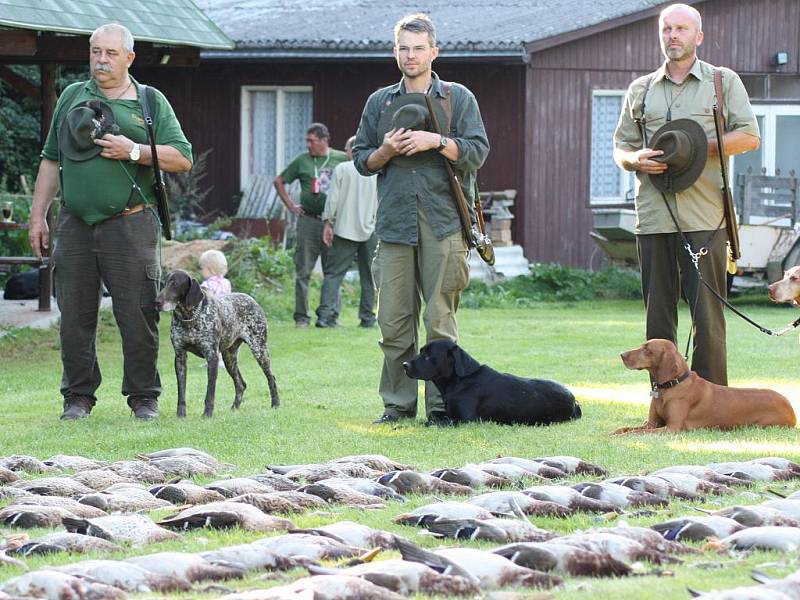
410	111
685	148
83	124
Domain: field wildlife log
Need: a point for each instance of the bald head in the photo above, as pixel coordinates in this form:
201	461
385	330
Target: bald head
680	29
685	10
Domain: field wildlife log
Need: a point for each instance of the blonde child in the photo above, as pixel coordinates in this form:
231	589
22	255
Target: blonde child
214	267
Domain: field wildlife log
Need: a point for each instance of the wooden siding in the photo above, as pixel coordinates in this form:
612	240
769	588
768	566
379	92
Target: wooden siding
207	102
556	217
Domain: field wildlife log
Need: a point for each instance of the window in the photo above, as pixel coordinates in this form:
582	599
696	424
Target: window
608	183
274	123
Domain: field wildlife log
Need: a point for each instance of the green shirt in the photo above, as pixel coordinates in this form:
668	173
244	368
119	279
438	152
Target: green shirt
699	207
99	188
399	189
305	168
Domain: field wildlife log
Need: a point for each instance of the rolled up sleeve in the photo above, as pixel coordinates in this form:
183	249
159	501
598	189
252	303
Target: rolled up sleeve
627	135
738	110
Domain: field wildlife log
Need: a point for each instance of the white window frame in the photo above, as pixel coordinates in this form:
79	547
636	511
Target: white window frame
626	178
246	134
770	112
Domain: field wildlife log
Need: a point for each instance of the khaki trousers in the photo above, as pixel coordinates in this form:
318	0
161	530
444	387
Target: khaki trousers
666	270
434	272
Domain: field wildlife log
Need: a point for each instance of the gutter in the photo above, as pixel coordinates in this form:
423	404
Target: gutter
516	55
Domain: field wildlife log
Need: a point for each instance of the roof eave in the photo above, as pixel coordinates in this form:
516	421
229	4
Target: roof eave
516	55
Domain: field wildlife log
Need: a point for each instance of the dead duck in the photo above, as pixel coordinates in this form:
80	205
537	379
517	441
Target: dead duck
225	514
316	472
275	482
125	576
442	510
785	539
100	479
515	503
563	558
648	538
566	496
472	477
54	585
138	470
379	462
405	577
572	465
354	534
696	529
343	495
237	486
758	516
74	507
182	466
29	516
654	485
621	548
7	492
194	453
706	474
755	471
310	547
61	541
135	529
124	498
7	475
411	482
618	495
489	571
494	530
52	486
365	486
788	506
29	464
185	492
777	462
252	557
537	468
65	462
688	483
190	567
324	587
282	502
511	472
750	592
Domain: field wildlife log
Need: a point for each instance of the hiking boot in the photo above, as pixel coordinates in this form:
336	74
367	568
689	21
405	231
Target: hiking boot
144	408
384	418
327	323
301	323
367	324
77	407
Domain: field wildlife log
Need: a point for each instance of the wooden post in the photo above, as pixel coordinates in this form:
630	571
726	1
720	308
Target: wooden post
49	73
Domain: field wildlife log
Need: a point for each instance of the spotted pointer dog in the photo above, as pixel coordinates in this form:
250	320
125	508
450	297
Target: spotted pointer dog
209	326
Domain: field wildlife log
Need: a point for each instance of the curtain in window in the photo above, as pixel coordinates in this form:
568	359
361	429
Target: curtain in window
297	115
605	175
262	127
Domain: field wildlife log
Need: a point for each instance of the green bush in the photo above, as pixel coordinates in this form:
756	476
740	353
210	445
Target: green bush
257	268
553	282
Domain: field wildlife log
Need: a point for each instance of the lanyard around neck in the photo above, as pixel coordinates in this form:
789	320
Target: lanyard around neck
322	166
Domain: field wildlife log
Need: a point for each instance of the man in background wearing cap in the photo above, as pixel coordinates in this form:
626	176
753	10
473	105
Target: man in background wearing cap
108	231
683	88
421	255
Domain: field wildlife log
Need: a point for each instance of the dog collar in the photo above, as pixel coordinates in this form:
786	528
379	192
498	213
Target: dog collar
671	383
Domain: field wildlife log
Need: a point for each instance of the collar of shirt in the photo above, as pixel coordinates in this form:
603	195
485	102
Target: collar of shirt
91	87
436	87
662	73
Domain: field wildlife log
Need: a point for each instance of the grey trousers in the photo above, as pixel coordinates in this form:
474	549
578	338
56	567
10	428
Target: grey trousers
121	253
436	272
340	257
308	247
666	270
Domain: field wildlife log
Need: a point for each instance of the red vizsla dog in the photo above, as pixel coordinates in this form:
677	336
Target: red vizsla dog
681	400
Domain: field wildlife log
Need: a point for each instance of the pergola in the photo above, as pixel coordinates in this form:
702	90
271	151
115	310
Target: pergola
56	32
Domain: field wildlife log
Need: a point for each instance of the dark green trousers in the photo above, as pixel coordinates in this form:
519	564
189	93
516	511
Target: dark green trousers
340	257
308	247
666	270
121	253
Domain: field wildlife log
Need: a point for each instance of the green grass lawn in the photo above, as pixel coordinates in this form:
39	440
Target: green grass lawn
328	381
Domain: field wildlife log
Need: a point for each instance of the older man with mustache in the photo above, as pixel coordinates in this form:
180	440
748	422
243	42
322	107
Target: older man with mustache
97	152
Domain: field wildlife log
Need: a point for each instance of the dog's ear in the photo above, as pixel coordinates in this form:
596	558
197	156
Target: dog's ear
463	363
195	294
672	364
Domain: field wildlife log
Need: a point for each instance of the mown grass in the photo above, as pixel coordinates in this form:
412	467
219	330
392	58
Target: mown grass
328	381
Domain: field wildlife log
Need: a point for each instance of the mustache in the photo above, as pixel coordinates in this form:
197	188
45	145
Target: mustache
101	68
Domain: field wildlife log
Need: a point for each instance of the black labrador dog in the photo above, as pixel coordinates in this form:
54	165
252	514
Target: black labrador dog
209	326
472	391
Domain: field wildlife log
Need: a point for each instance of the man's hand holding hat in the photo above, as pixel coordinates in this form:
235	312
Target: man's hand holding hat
642	160
115	147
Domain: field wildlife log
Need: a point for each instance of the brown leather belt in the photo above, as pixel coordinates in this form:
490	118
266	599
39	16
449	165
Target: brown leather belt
129	211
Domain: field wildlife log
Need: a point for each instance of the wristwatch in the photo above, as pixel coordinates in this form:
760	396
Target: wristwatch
135	153
442	144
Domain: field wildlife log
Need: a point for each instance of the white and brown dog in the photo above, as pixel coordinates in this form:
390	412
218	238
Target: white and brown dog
788	288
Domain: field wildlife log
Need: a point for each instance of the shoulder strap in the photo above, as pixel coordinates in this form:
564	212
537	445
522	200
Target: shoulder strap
641	121
447	103
720	97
